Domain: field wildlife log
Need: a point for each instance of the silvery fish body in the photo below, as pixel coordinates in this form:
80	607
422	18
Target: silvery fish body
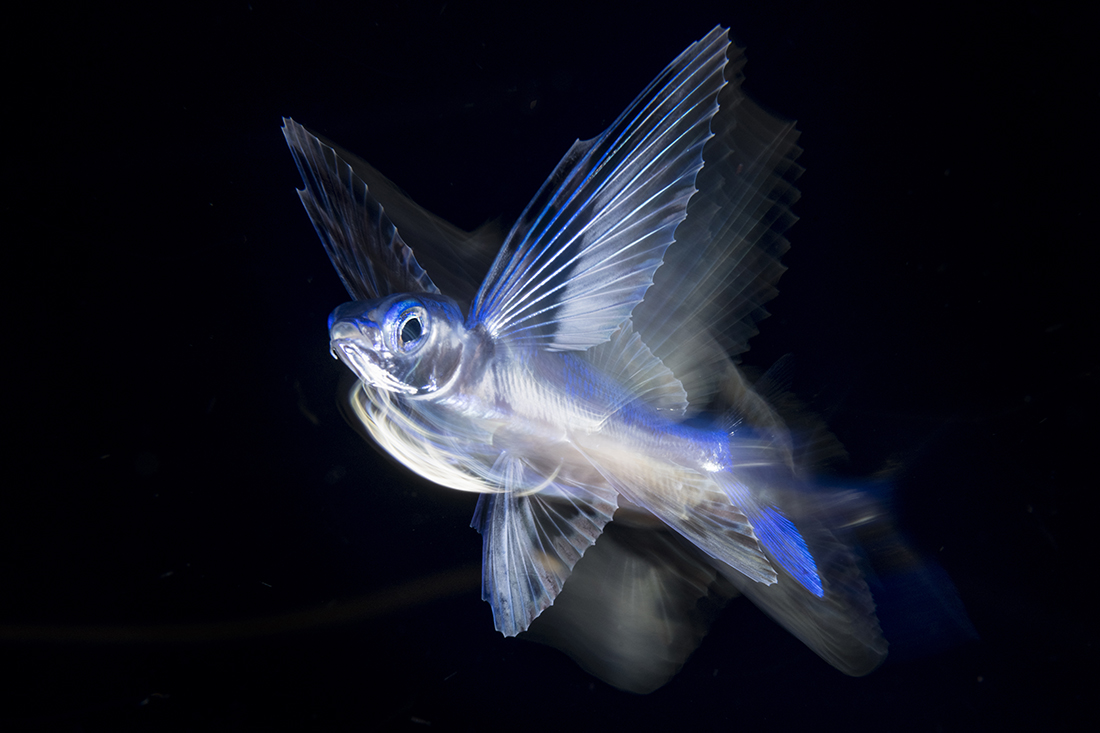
591	378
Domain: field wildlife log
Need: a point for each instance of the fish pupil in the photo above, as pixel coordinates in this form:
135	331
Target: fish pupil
411	330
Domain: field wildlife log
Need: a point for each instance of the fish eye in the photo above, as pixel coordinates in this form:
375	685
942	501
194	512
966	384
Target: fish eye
409	327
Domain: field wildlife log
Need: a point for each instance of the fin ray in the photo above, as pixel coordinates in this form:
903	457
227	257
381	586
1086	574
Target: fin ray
531	541
583	253
778	534
710	292
694	506
364	245
627	361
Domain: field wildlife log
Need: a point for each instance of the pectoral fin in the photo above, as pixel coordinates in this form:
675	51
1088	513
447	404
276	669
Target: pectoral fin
361	240
583	253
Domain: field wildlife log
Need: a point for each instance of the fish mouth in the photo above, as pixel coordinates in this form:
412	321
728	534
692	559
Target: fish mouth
367	365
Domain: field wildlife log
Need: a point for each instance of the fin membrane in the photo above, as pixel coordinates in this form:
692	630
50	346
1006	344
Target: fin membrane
695	507
531	541
364	245
778	535
583	253
625	360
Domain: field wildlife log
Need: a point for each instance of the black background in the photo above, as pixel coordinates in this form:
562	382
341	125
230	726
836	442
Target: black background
191	538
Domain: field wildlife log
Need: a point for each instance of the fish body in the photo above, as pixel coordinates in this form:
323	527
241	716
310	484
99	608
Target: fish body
591	378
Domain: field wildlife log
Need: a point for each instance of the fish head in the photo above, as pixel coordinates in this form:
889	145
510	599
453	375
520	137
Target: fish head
411	344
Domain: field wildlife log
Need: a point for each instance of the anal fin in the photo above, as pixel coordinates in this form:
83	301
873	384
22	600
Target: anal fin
778	534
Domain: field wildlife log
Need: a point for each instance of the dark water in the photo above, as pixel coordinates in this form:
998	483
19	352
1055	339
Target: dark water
191	537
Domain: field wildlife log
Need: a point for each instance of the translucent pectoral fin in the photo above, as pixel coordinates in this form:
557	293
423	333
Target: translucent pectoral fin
711	291
361	240
531	541
583	253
